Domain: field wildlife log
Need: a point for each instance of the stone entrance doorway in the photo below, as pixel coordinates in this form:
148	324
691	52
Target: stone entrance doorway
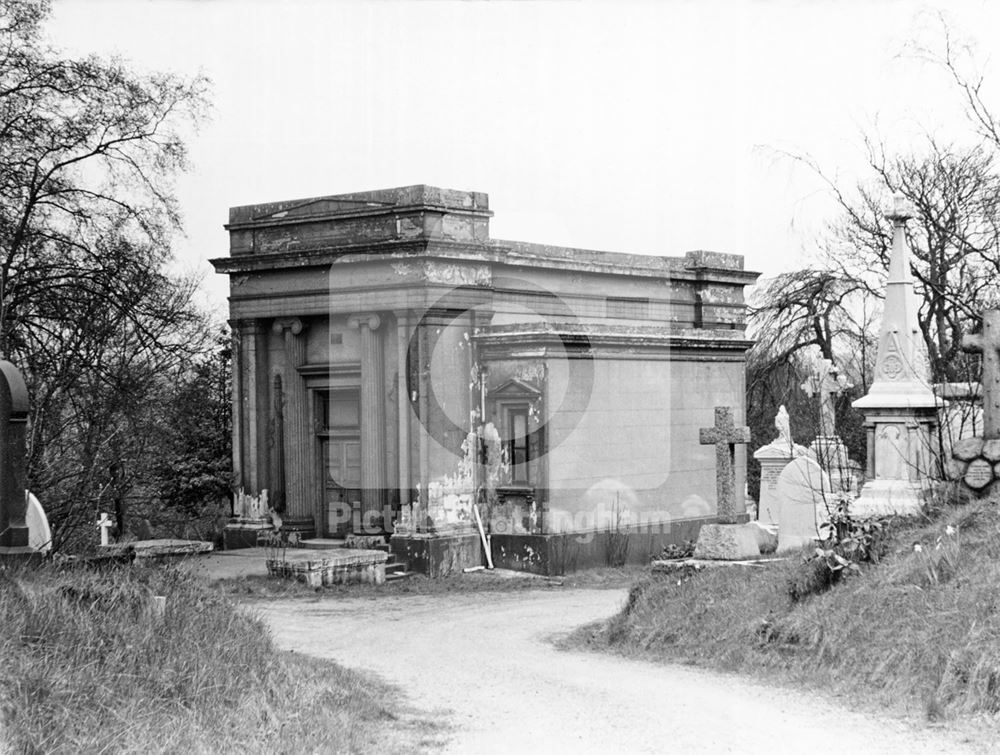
341	453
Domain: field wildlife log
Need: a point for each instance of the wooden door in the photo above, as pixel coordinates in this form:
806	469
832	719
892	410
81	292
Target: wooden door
342	482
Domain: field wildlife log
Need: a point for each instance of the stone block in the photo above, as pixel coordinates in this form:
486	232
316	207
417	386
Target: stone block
991	450
954	469
967	449
726	542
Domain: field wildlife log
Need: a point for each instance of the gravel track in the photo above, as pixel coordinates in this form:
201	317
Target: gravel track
484	664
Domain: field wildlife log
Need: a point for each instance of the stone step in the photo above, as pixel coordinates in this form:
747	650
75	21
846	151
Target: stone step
396	566
393	576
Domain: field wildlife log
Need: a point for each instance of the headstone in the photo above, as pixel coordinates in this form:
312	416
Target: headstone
772	459
724	436
104	524
802	487
39	532
13	440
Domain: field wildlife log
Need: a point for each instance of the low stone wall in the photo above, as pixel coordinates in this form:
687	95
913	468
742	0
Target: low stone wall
555	555
330	567
976	462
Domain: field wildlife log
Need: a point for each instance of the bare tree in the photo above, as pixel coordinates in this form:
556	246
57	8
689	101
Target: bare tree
88	153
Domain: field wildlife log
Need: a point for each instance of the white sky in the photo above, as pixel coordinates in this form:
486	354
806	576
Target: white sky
635	127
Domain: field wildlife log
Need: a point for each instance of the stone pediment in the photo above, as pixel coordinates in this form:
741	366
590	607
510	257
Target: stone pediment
515	388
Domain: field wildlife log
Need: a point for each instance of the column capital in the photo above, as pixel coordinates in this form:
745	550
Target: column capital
246	325
292	324
371	319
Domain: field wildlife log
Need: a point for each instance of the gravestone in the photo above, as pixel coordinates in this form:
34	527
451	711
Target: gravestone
826	384
772	459
39	532
725	540
802	488
724	436
13	442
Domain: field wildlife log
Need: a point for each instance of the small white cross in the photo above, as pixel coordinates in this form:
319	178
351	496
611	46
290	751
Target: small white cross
105	524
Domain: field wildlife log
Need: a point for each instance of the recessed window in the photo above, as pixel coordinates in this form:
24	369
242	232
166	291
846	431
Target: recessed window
516	444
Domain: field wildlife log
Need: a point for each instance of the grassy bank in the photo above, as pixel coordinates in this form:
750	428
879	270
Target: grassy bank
88	665
918	633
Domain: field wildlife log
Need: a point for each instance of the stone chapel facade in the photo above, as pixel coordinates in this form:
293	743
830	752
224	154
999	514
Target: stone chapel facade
394	366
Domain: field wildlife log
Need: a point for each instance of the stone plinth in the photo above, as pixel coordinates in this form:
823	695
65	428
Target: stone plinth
773	458
327	567
244	534
726	542
438	555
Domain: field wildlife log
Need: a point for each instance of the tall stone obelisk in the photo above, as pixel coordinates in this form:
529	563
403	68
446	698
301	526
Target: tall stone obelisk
901	411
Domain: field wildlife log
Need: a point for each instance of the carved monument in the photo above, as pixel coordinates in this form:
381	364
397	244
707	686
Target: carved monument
900	408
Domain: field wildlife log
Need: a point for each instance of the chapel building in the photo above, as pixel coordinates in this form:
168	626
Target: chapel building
398	371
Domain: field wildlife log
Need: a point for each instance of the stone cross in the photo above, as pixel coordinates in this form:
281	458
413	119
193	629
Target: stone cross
105	524
724	436
987	343
827	384
13	444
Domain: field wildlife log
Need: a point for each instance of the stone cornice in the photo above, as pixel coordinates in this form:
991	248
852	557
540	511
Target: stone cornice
584	336
496	253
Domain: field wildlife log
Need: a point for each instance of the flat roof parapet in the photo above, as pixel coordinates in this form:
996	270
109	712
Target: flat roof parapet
419	195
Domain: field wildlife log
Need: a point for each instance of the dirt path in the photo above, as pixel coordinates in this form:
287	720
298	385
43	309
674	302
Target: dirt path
484	662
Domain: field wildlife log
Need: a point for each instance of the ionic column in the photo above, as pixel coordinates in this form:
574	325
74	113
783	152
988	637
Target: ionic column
373	425
297	446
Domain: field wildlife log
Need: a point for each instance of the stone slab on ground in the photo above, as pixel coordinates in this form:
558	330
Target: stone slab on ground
670	566
161	548
330	567
726	542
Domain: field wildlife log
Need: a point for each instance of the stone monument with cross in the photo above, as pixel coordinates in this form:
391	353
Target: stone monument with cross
826	384
727	540
976	461
901	411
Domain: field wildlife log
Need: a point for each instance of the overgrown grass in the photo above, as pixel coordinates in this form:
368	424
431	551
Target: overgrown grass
87	665
919	632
